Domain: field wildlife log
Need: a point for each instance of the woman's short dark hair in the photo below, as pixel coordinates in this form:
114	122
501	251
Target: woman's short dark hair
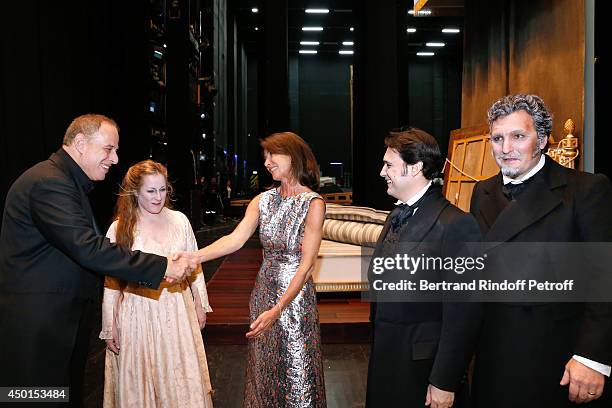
304	166
415	145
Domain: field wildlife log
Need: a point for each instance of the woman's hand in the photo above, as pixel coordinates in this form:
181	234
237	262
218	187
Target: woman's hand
201	313
264	322
113	344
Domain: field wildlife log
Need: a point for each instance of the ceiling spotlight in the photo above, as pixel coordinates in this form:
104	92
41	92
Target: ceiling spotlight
411	30
312	28
425	54
450	30
345	52
317	11
352	29
256	28
434	44
308	51
254	10
420	12
347	43
309	43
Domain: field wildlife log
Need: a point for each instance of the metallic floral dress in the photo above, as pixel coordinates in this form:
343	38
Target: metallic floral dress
284	367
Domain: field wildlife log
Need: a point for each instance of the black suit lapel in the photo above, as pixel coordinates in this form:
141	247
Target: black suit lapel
493	202
417	227
88	210
59	161
533	204
386	227
411	233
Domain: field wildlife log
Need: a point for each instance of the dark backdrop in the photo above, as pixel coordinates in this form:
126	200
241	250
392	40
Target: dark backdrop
320	107
60	60
394	87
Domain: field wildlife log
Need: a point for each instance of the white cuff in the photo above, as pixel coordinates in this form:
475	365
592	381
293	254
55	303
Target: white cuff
106	334
601	368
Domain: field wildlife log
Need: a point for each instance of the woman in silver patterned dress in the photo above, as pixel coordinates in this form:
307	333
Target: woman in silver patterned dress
284	367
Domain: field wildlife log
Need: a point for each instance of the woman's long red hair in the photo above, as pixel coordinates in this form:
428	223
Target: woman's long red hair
126	211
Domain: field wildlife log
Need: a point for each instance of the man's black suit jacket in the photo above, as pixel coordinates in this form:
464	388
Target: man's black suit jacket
524	348
51	260
417	343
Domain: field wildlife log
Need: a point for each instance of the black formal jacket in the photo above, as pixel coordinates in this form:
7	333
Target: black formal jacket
524	348
50	243
417	343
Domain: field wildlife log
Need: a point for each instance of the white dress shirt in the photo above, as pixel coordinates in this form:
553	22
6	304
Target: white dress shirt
415	197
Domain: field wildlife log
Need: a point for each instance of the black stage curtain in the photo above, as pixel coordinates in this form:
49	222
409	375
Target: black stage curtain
59	60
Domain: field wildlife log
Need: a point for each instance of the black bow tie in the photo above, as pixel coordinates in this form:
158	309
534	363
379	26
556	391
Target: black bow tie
402	213
511	191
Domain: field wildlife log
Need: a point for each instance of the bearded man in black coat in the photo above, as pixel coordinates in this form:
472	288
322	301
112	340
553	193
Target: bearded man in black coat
528	352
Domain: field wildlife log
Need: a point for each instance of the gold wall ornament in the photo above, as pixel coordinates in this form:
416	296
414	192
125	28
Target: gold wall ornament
566	150
569	126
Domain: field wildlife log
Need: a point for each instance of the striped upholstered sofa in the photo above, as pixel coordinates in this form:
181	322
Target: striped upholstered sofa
349	235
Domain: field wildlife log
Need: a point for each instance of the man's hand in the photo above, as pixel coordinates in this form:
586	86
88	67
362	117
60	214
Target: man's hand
437	398
179	267
585	384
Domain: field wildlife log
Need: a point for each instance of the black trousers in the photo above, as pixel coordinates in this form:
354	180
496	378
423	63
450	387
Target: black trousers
397	377
44	342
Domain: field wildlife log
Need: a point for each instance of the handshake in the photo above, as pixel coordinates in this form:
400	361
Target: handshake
180	265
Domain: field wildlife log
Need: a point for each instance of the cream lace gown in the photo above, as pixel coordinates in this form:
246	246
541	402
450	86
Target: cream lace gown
161	362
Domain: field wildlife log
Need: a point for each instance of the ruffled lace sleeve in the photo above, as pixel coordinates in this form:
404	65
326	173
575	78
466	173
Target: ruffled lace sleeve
112	296
196	280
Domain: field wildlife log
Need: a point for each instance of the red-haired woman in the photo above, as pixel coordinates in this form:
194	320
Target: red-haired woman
284	367
155	354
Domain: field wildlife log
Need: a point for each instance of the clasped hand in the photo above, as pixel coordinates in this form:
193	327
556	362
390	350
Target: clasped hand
180	265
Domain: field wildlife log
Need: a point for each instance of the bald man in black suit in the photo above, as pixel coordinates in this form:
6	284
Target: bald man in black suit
52	257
